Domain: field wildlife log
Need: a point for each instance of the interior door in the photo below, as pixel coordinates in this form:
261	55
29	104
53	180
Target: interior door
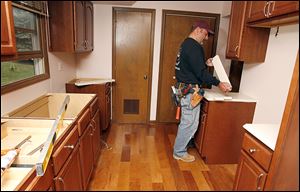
132	64
176	27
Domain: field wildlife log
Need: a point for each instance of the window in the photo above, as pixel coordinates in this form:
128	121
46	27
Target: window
30	64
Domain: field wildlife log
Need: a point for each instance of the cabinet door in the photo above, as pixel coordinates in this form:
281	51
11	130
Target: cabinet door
86	155
8	42
69	178
249	176
282	7
89	26
200	132
96	136
79	26
236	26
258	10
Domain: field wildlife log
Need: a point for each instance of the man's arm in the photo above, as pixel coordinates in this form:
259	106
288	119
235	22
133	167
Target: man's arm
198	65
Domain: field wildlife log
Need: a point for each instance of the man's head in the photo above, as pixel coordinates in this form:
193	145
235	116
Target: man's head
201	31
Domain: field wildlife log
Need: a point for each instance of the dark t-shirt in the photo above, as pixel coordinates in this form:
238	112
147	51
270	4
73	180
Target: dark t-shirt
190	64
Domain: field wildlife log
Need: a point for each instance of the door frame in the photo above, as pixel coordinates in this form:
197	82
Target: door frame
127	9
176	12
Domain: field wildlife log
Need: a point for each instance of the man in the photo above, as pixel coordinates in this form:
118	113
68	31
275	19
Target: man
191	71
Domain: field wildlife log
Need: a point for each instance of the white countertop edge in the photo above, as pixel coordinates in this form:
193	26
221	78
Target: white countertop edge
266	133
230	100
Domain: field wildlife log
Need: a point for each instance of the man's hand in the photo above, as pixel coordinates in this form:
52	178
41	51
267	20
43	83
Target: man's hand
225	87
209	62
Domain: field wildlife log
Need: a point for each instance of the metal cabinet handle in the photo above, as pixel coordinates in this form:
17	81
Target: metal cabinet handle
174	77
203	119
62	181
252	151
265	11
69	146
145	77
235	50
258	181
272	3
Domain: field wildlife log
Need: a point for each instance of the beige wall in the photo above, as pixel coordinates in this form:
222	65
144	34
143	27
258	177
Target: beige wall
269	82
98	64
56	83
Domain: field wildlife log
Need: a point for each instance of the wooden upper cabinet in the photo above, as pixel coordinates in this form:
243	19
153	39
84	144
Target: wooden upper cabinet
8	42
248	44
89	17
71	26
79	11
236	29
273	13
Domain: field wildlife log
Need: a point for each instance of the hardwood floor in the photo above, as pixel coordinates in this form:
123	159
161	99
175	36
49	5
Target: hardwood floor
141	159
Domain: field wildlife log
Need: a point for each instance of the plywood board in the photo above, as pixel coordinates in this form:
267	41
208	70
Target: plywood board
13	177
220	69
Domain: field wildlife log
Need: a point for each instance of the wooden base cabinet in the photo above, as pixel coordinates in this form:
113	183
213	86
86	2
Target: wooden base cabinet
220	133
254	165
73	153
69	178
103	92
250	176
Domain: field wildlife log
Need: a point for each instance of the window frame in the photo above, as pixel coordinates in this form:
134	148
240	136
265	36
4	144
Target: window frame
43	53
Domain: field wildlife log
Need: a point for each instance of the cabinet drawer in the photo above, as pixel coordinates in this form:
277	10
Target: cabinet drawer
204	105
258	151
83	121
64	150
94	107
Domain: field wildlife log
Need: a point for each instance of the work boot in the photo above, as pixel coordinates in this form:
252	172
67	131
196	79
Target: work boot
191	143
186	158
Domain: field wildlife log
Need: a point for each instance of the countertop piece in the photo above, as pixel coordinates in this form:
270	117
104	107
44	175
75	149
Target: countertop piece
266	133
91	81
215	94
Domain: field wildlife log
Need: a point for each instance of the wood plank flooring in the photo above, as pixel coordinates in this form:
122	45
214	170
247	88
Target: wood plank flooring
141	159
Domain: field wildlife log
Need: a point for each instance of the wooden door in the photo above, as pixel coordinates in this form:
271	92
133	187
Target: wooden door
132	62
8	42
249	176
236	29
89	26
79	25
175	28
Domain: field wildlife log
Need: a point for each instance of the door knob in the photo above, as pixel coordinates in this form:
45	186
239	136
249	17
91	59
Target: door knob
174	77
145	77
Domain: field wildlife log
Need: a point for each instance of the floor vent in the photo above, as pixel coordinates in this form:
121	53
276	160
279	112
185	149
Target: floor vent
131	106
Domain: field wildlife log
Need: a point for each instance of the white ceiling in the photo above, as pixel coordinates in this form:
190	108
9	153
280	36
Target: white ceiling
114	2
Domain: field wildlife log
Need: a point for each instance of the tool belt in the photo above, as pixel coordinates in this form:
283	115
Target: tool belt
184	88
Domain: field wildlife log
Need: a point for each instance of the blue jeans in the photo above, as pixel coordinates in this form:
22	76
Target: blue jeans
188	125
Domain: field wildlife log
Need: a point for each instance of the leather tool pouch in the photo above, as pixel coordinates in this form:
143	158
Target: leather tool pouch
195	99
